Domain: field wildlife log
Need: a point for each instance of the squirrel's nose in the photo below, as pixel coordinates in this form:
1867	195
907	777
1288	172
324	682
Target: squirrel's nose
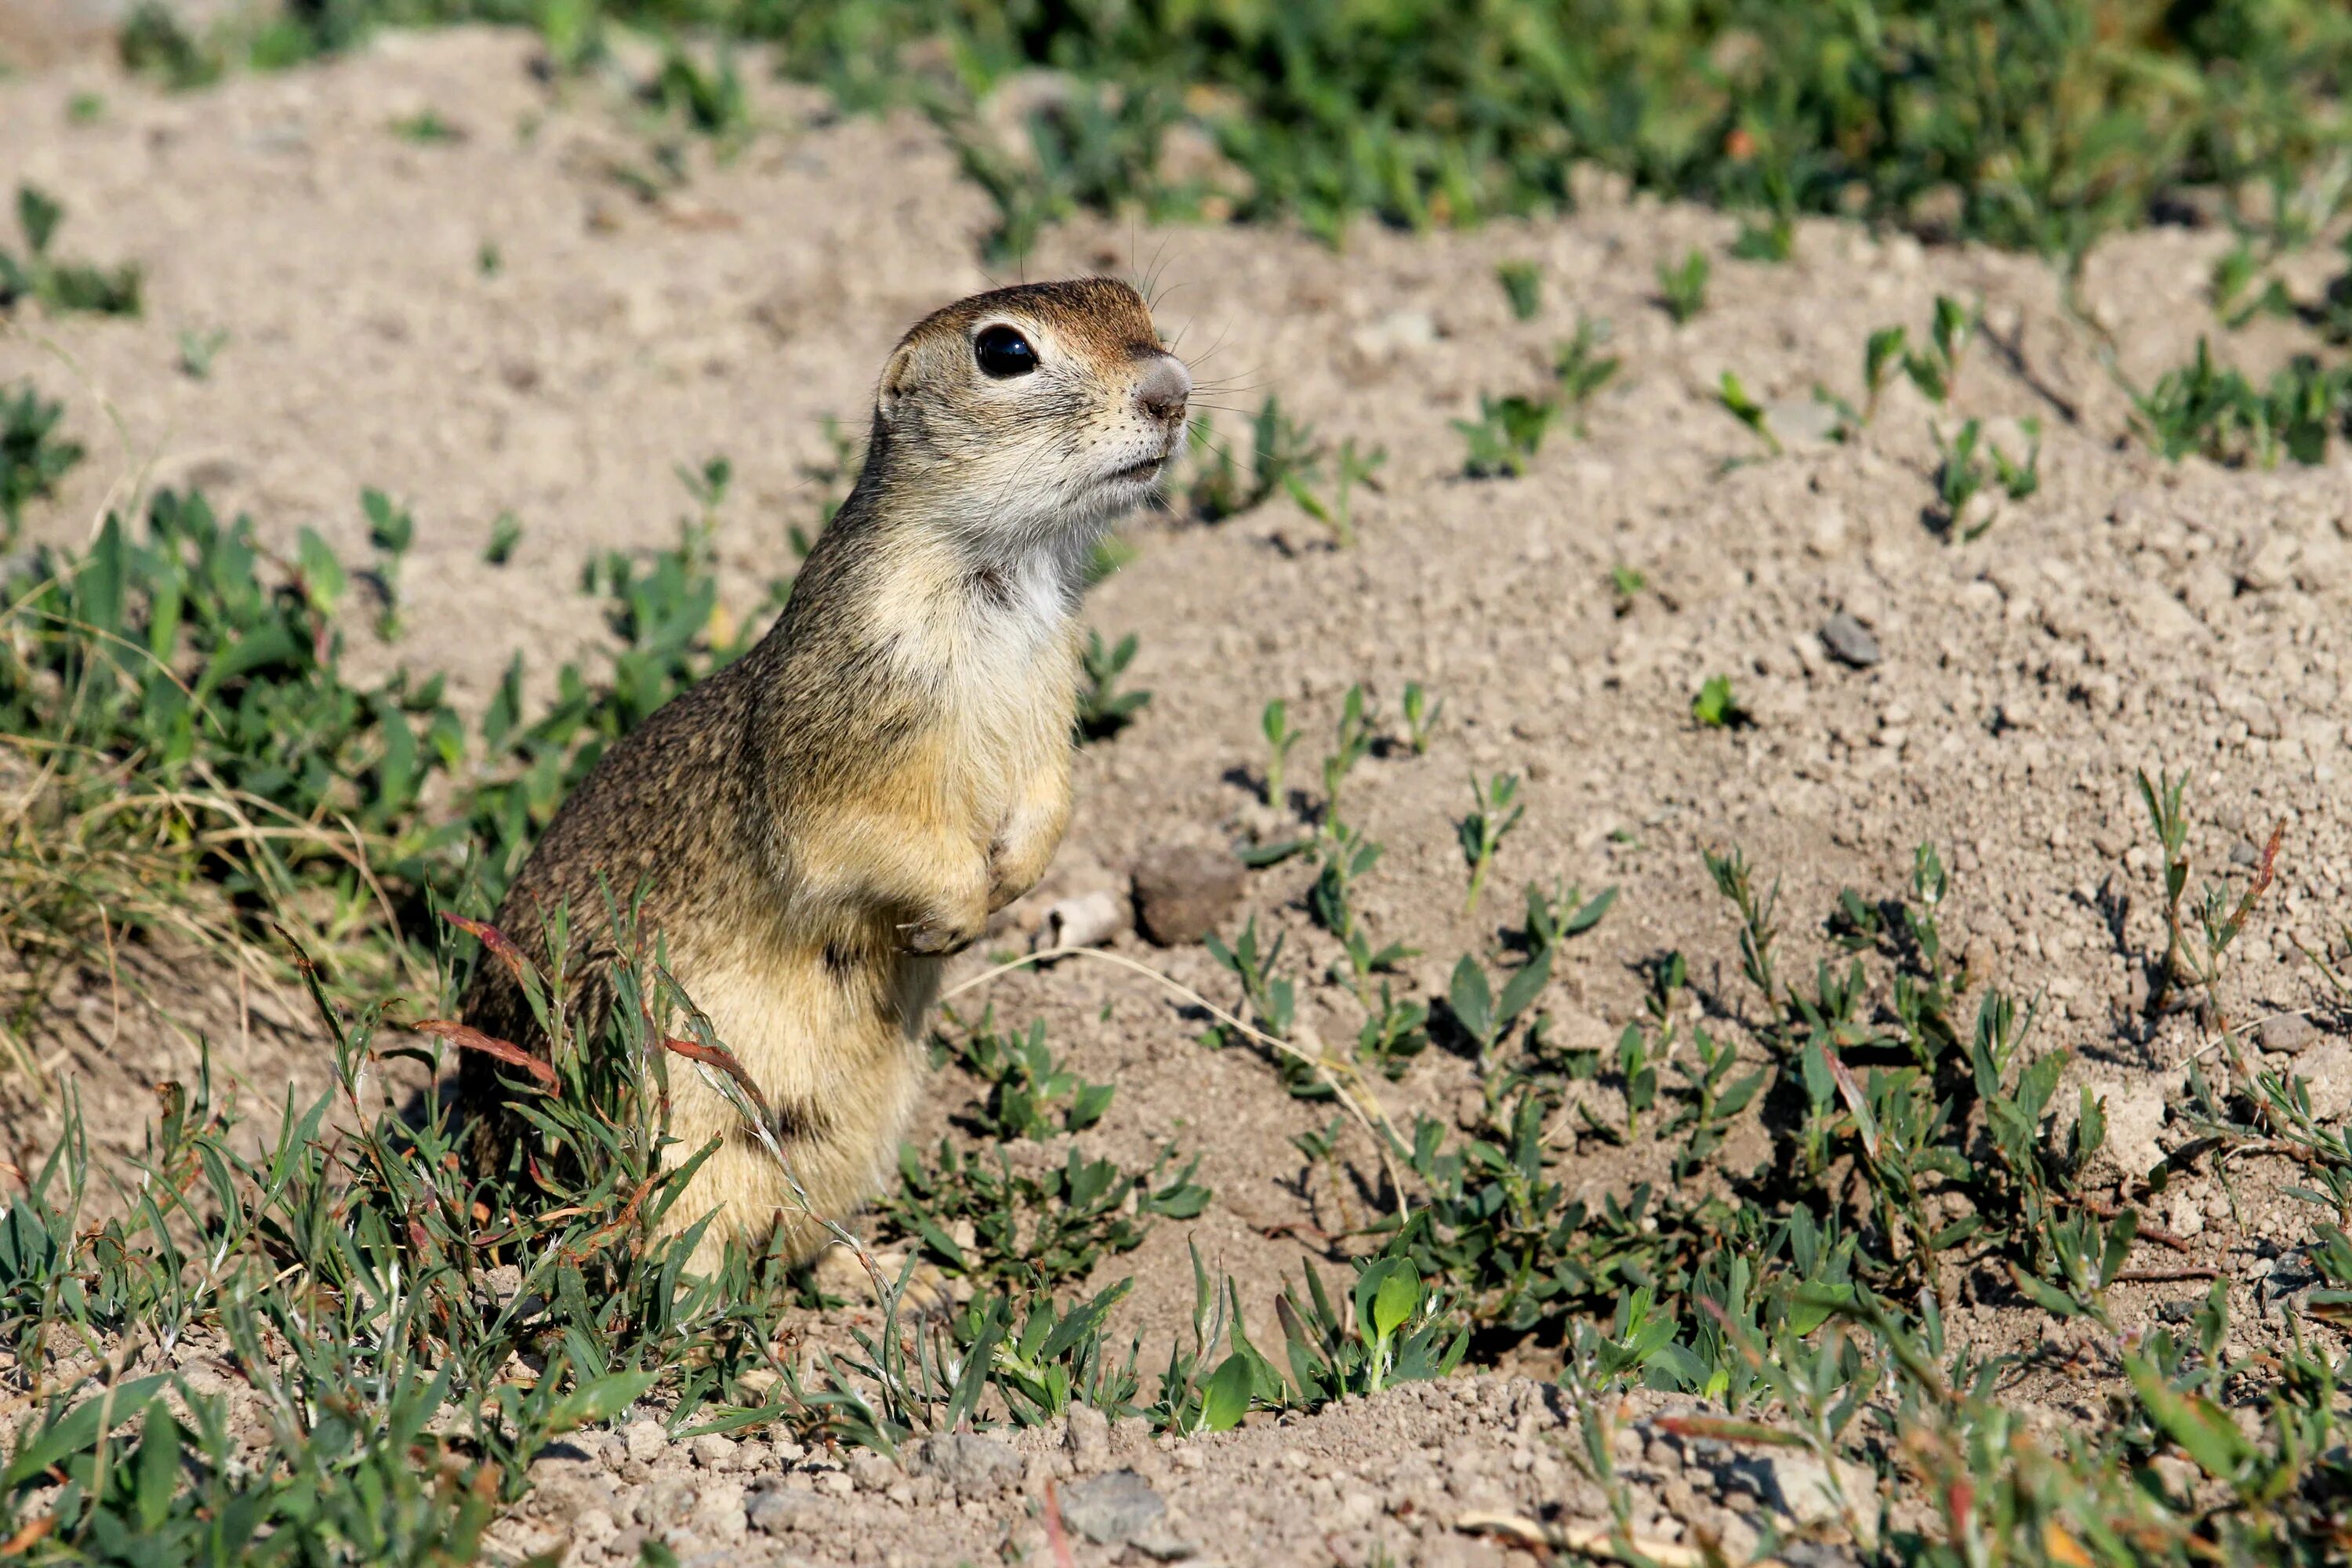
1164	390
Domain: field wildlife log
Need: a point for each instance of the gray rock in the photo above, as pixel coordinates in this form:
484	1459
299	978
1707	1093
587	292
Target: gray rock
1799	1486
1161	1543
1089	1438
972	1465
784	1510
713	1451
871	1471
2289	1033
1804	421
1114	1507
1184	892
1849	641
646	1440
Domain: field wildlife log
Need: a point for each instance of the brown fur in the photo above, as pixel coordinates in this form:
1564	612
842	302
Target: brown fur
814	828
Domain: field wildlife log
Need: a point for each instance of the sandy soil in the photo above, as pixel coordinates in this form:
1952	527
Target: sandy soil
2133	613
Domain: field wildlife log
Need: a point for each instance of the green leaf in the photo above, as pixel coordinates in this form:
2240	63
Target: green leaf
1226	1399
1586	918
2204	1431
2046	1296
1398	1300
1522	988
598	1400
1472	999
79	1429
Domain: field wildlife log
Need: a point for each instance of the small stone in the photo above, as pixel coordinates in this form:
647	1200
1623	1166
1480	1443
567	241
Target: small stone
1804	421
1114	1507
1163	1544
646	1440
973	1465
719	1511
1184	892
1088	1439
1799	1486
715	1452
2134	1116
871	1471
2289	1033
2326	1073
1849	641
785	1510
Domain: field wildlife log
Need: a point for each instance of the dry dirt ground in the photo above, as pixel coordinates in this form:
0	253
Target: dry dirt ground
2133	613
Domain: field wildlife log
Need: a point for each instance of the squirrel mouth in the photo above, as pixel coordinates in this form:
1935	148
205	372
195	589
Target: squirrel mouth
1143	472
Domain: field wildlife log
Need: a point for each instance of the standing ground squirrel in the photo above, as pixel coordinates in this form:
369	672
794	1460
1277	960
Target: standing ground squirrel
813	830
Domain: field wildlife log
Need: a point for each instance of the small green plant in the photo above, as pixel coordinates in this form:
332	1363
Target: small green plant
61	286
1280	450
2234	275
198	349
153	44
1625	586
1273	723
1505	436
85	108
2218	914
1936	368
1715	707
1774	239
1733	395
506	535
708	99
1522	284
1580	370
1554	916
1881	356
1965	470
1682	288
1421	717
1030	1093
33	454
1043	1229
1336	511
426	128
1351	743
2218	413
1103	708
1495	809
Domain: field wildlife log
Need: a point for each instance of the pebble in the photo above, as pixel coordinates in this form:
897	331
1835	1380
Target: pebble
715	1452
1113	1508
2289	1033
1184	892
871	1471
1849	641
785	1509
1088	1439
646	1440
974	1467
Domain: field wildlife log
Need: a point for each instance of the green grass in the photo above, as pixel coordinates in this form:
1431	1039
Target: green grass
2027	125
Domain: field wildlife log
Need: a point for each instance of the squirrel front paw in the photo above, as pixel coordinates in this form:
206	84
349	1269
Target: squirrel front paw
940	934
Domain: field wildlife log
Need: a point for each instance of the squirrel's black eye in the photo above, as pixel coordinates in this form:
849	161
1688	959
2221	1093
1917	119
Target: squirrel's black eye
1002	351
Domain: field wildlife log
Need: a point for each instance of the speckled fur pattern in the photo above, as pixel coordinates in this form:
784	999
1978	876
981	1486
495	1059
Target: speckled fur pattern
813	830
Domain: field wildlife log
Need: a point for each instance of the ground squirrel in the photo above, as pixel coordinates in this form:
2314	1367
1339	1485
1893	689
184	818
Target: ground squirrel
818	827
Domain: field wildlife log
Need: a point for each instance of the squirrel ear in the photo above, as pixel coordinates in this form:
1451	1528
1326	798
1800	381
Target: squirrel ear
897	380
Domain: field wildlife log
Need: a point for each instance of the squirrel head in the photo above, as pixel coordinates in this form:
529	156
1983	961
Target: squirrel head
1024	416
